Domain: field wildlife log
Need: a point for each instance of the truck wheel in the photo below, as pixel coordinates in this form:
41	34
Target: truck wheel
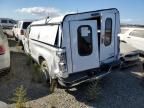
52	83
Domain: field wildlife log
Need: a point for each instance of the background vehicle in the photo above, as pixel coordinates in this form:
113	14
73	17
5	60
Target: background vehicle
77	47
4	53
7	23
133	36
20	29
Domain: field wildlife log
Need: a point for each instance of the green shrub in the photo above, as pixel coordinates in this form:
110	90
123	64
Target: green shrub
92	91
37	75
20	97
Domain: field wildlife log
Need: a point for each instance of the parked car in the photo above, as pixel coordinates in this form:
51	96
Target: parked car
77	47
7	22
20	29
133	36
4	53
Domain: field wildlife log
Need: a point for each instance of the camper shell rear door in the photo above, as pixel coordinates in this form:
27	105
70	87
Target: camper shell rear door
108	35
76	24
84	45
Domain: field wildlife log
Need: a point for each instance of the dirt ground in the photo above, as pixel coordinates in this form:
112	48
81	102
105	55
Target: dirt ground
120	89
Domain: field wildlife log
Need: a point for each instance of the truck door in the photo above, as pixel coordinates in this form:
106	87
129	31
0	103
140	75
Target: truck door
84	45
107	43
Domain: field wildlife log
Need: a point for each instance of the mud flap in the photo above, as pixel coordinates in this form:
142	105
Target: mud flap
53	85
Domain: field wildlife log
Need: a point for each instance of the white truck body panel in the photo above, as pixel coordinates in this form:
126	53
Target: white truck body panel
78	37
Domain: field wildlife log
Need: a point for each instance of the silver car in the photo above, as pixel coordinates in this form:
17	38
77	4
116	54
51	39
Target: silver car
4	53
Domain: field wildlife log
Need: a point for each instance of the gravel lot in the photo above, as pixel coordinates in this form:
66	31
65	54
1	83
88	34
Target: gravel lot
120	89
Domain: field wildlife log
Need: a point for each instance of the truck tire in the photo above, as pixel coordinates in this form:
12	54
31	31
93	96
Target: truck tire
52	83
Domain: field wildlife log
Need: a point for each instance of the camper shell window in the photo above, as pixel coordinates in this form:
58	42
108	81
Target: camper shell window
84	40
47	34
58	40
108	32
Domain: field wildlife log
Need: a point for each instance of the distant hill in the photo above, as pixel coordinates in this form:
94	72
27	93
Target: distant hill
131	25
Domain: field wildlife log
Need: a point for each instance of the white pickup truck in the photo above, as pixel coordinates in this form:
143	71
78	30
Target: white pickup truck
75	48
19	29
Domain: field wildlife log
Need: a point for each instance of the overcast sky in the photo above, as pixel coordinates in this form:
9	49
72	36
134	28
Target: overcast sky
131	11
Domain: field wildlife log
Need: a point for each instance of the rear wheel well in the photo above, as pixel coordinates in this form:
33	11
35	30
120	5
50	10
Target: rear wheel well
41	59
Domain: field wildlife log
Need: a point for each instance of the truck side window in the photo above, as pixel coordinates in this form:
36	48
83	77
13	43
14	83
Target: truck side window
3	21
84	34
108	32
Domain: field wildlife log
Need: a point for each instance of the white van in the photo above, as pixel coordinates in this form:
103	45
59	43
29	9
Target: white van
19	29
7	22
4	53
77	47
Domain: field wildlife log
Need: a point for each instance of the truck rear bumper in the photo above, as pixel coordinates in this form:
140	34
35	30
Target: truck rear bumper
88	75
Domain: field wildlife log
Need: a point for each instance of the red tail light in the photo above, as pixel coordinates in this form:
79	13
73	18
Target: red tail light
2	50
22	32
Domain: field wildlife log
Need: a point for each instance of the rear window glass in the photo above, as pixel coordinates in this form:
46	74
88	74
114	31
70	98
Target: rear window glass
26	24
123	31
84	40
137	33
108	32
